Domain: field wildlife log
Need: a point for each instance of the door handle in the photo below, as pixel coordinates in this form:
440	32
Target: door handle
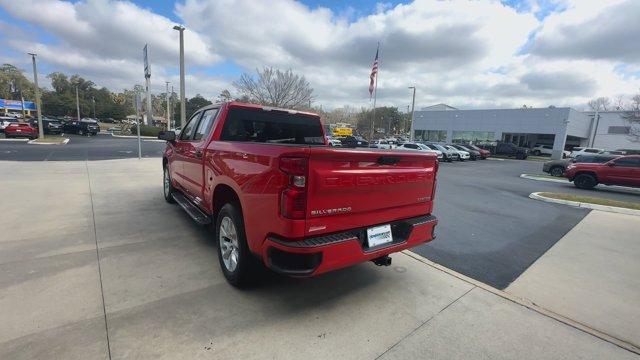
198	153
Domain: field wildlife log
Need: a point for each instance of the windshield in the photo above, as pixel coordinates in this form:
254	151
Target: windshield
256	125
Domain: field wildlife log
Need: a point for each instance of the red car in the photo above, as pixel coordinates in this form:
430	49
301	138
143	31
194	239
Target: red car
278	194
484	154
623	170
14	130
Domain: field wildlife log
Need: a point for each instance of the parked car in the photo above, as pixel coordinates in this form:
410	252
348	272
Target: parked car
510	150
447	155
616	152
15	130
334	142
484	154
419	147
354	141
82	127
5	121
463	154
582	150
50	126
282	198
557	167
623	170
539	150
473	154
382	144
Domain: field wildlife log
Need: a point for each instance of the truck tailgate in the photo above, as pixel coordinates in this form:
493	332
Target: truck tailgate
349	189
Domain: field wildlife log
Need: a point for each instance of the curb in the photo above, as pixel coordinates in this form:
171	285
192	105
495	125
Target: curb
613	209
496	159
528	304
14	140
33	142
134	137
533	177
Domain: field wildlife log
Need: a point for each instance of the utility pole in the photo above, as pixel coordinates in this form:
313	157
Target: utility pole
171	106
77	103
38	107
168	116
183	107
94	107
596	118
413	104
136	103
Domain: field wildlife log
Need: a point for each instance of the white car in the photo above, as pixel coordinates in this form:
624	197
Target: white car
547	150
585	151
383	144
5	121
464	155
419	147
334	142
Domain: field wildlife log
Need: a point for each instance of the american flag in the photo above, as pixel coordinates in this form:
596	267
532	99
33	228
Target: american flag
374	72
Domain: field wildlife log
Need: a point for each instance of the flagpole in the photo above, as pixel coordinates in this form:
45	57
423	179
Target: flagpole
375	96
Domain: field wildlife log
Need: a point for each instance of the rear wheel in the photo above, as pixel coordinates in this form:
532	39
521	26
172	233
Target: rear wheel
556	171
166	186
236	261
585	181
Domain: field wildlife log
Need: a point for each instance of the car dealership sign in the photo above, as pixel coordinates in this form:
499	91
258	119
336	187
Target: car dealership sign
17	105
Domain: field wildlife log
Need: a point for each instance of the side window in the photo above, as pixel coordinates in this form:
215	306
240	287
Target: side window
628	162
187	132
205	125
593	151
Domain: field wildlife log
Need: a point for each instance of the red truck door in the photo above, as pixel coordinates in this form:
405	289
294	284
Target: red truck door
625	171
181	148
193	156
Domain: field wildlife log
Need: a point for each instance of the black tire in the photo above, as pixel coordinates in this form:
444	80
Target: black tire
557	171
585	181
243	274
167	190
80	132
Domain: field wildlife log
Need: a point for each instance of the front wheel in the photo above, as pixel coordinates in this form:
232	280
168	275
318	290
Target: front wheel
585	181
236	261
556	171
167	187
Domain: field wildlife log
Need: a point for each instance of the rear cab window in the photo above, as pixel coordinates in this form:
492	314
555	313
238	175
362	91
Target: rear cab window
272	126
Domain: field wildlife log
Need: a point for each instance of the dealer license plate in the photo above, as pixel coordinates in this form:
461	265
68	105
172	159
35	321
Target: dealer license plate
379	235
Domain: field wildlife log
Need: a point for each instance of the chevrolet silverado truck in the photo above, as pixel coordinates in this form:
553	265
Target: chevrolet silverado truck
278	195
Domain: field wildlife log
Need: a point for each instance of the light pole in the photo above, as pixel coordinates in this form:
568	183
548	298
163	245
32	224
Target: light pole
94	107
77	103
168	117
413	104
183	109
38	107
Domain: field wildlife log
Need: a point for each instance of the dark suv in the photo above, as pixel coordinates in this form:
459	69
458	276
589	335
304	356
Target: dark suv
82	127
511	150
50	126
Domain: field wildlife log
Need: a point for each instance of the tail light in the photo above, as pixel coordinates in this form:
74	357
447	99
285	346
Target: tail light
293	200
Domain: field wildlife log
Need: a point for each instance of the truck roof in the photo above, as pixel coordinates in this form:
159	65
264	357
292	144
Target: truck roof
256	106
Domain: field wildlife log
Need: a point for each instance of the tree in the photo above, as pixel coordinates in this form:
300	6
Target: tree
59	82
632	116
194	104
388	119
224	96
600	104
273	87
14	85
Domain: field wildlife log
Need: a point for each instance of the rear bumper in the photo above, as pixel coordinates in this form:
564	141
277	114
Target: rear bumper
316	255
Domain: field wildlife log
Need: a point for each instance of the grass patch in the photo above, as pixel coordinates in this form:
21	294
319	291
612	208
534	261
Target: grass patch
146	130
592	200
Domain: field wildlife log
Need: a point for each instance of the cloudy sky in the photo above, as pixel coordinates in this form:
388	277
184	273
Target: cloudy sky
469	54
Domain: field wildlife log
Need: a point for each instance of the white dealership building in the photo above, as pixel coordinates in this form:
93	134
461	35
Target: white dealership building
561	127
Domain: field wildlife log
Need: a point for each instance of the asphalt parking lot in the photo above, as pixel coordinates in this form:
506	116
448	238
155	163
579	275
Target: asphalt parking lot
100	147
488	227
96	265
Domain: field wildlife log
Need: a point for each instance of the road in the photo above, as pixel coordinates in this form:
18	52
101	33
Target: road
100	147
489	229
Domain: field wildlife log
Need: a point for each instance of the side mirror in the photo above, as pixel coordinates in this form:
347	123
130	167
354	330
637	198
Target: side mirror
611	163
167	135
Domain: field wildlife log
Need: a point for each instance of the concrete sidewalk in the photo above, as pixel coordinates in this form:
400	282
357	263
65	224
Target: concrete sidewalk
94	265
592	275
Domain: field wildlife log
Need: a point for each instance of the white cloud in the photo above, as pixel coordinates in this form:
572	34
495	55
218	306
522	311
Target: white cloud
468	54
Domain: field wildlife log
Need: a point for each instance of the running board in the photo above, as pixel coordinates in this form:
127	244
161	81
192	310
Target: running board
196	214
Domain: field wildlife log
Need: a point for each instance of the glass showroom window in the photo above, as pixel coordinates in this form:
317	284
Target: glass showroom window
430	135
476	137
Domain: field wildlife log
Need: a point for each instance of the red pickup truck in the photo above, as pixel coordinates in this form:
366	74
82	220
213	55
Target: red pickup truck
623	170
278	194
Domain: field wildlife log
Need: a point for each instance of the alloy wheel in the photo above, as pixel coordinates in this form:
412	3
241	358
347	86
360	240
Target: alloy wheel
228	242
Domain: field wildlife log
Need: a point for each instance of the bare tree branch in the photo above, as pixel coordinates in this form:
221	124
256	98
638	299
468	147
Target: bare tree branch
273	87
